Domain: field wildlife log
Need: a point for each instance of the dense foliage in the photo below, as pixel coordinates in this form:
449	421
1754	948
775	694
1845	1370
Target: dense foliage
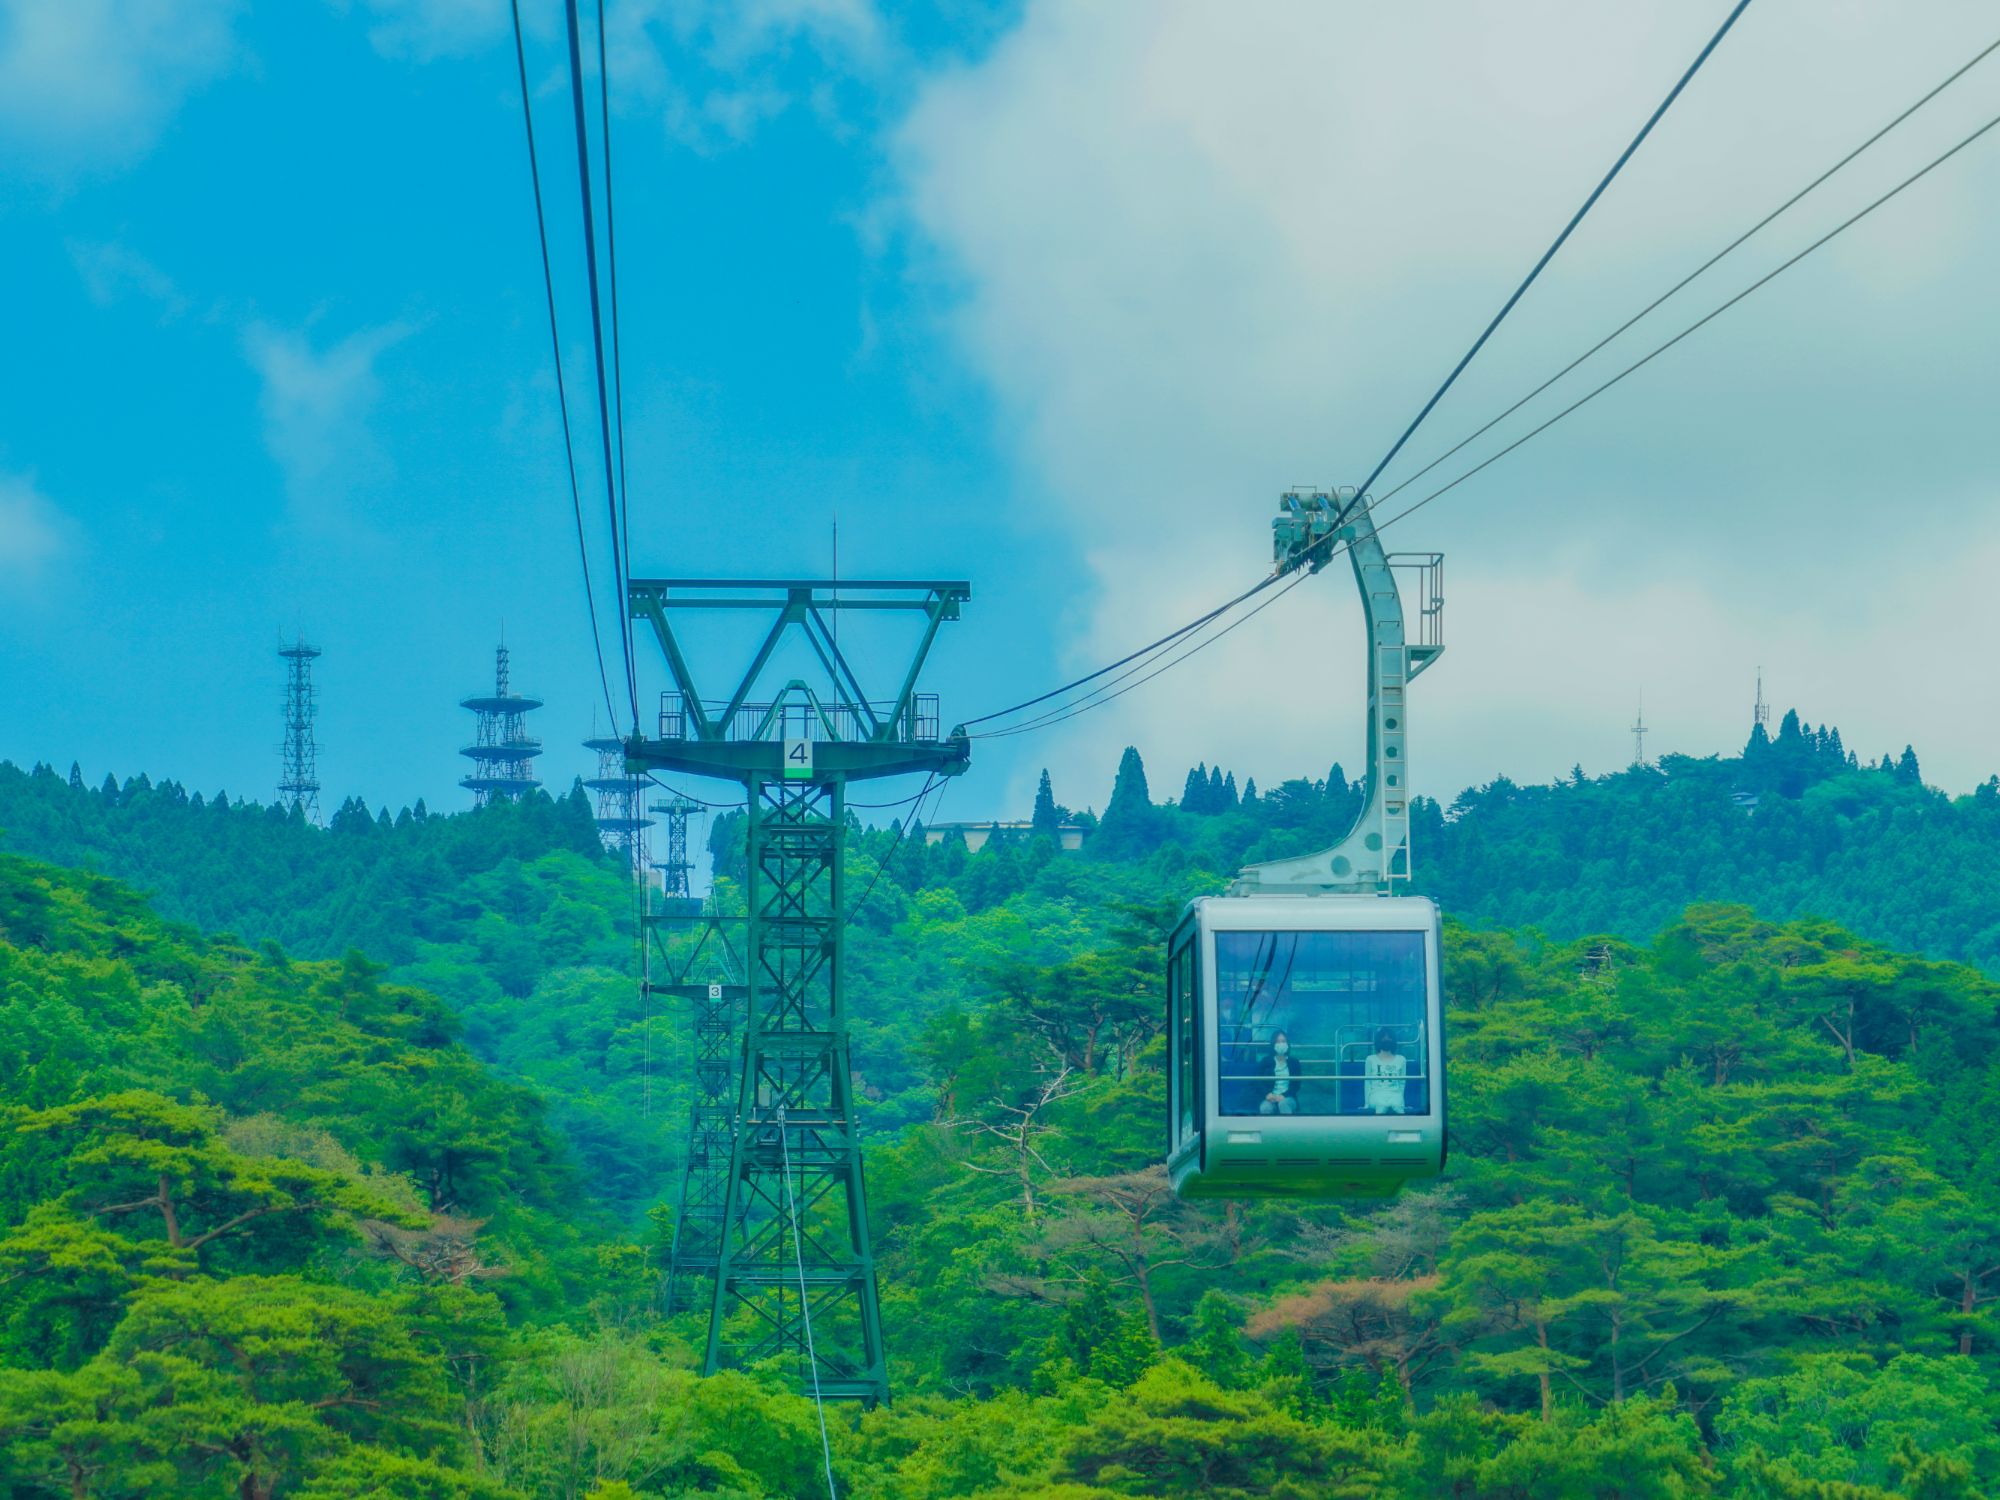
1722	1215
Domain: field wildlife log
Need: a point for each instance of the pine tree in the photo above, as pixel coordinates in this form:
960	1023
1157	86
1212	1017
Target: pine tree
1045	821
1230	801
1194	792
1217	798
1129	790
1907	770
1130	826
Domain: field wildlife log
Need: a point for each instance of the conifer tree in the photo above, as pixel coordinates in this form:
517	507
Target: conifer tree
1045	821
1129	825
1194	791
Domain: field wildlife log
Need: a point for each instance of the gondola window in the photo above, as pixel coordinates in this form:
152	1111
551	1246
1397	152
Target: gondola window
1321	1023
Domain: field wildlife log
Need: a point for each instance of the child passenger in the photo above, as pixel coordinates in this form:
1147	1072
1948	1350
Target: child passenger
1383	1088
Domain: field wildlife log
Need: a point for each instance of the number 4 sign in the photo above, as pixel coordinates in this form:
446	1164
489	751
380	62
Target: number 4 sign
798	759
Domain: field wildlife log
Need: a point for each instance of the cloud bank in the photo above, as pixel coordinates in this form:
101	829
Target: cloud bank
1201	253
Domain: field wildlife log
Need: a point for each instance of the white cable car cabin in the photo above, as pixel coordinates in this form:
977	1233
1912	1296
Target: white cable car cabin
1305	1016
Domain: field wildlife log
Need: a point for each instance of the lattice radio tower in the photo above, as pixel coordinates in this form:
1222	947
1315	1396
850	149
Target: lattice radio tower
1760	712
502	752
298	788
620	822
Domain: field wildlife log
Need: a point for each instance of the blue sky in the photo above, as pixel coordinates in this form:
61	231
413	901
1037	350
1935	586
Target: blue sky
1055	298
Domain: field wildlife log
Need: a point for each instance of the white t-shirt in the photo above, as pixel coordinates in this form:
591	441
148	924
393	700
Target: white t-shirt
1383	1091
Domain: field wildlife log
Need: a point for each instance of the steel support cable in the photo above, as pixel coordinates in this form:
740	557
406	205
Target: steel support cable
1760	282
1699	270
805	1301
617	358
1458	369
898	802
555	341
902	829
597	337
1166	640
1580	402
1200	646
1550	253
1104	692
666	787
1150	654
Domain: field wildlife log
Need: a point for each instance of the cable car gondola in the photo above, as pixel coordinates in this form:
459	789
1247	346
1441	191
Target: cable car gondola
1305	1007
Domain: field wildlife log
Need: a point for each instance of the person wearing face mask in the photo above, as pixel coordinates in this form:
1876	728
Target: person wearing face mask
1280	1100
1383	1087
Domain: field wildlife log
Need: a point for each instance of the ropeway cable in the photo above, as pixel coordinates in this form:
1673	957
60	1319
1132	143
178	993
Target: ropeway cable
1702	322
902	829
1701	269
653	777
1104	694
1165	640
1550	253
1086	706
597	338
555	340
805	1302
617	357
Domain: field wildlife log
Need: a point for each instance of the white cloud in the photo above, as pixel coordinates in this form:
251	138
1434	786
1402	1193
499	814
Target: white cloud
92	83
112	273
1203	252
424	30
316	403
30	528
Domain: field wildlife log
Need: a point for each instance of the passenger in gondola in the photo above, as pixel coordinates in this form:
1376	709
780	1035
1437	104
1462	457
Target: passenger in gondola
1280	1098
1384	1084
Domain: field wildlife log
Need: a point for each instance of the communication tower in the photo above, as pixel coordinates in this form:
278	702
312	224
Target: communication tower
620	822
1761	713
298	788
1639	734
502	752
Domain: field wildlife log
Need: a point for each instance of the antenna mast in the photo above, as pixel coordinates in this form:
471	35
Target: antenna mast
298	790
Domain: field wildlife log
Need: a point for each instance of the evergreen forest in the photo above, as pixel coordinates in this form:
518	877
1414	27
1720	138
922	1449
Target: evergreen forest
341	1161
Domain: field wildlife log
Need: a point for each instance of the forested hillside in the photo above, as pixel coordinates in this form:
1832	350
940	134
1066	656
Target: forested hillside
1797	825
1721	1216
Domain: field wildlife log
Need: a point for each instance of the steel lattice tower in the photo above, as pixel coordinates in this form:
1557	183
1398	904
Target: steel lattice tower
793	1145
298	787
620	822
503	752
677	867
717	999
